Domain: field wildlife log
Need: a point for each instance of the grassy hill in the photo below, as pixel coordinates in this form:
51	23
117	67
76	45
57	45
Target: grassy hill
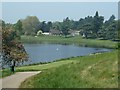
100	70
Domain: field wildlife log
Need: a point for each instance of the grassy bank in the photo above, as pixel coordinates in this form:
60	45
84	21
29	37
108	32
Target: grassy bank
37	67
41	67
5	73
70	40
100	70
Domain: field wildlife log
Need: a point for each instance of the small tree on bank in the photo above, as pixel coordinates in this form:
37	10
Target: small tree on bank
13	51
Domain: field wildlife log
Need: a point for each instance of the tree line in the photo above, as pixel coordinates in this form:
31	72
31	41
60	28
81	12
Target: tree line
90	26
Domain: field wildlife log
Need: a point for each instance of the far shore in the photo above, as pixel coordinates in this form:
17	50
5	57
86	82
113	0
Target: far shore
78	40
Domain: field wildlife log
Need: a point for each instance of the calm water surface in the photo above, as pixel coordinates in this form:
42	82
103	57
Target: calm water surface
50	52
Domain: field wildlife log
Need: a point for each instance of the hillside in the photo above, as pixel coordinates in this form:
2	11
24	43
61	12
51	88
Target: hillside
100	70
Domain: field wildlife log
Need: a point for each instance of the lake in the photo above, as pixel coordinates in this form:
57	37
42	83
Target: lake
50	52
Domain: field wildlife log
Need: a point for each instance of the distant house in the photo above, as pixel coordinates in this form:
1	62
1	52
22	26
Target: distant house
74	32
46	33
83	35
77	32
55	32
39	32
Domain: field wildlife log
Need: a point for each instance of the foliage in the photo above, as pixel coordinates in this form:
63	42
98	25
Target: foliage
98	21
30	24
93	27
18	27
65	26
56	25
13	51
109	30
88	30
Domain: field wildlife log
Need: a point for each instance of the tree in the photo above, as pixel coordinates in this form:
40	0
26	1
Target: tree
109	21
13	51
65	26
98	22
46	26
118	29
49	25
87	30
111	18
18	27
43	26
2	24
57	25
109	29
30	25
82	22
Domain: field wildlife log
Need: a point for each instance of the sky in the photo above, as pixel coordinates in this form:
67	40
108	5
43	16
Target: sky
60	0
56	11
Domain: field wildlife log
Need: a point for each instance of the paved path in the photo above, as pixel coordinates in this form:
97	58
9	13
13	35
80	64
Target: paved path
15	80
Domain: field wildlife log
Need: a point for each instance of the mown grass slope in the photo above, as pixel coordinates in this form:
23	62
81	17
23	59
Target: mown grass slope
43	66
37	67
100	70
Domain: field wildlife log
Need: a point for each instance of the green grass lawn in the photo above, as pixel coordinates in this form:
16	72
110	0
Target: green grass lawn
70	40
100	70
5	73
39	67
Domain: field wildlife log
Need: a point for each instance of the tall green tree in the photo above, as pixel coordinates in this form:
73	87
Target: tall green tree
49	24
57	25
30	25
65	26
109	29
45	27
87	30
18	27
98	22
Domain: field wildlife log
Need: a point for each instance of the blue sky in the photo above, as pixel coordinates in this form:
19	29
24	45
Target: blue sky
56	11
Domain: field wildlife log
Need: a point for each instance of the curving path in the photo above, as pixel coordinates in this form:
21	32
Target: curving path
15	80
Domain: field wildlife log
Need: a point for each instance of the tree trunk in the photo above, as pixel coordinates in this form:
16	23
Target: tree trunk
14	63
12	67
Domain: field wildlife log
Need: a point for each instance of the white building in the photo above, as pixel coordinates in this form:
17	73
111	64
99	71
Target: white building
46	33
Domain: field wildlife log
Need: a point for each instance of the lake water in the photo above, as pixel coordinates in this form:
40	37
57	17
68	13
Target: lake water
50	52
